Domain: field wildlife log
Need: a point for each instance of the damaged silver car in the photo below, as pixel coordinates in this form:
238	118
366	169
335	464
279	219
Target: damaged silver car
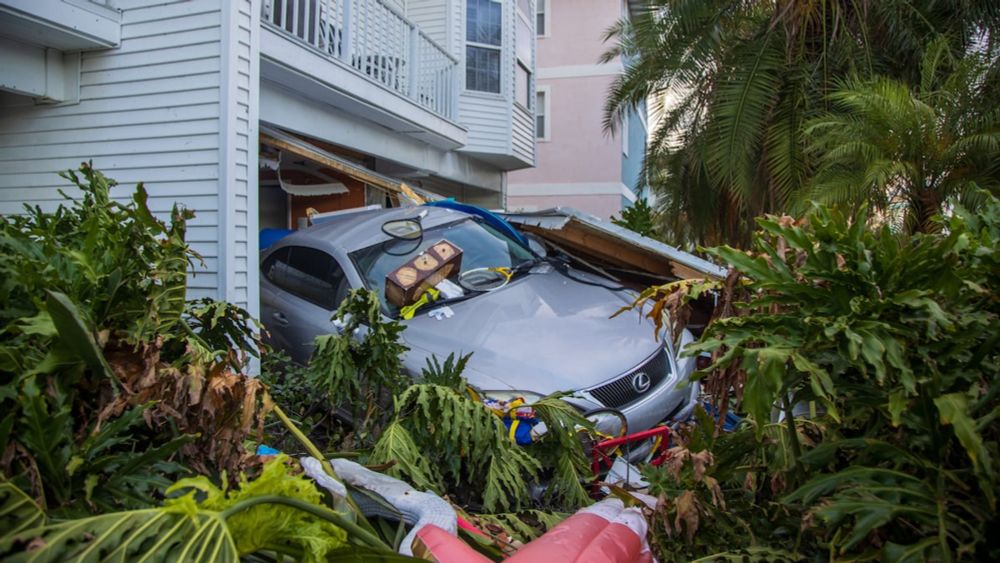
534	325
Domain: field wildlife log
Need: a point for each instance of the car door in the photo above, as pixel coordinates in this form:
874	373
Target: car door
312	285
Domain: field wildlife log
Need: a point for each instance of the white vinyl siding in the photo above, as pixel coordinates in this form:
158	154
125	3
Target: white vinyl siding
523	138
238	186
432	18
495	127
488	120
167	109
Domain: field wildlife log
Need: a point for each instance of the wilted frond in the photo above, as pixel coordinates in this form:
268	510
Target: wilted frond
467	444
396	446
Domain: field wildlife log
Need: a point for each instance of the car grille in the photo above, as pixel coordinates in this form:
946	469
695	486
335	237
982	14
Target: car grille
622	391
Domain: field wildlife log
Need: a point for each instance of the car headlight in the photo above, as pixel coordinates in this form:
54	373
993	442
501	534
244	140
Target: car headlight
608	422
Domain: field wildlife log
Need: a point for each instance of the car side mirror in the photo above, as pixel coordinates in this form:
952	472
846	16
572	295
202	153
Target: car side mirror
535	244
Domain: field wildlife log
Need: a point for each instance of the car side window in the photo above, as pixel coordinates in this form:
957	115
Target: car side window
309	274
276	265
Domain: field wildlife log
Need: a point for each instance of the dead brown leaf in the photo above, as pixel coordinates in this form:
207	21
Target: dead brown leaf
688	512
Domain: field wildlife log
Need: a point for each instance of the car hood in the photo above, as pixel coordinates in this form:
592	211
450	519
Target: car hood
541	333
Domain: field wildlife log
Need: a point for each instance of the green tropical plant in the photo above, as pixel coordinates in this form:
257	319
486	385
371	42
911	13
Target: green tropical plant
873	359
278	513
638	217
449	442
448	374
289	385
361	372
734	83
109	384
444	440
906	151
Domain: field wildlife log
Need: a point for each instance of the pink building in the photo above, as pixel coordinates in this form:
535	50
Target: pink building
577	163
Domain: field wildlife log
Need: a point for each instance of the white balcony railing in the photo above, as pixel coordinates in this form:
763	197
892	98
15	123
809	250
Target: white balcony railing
374	39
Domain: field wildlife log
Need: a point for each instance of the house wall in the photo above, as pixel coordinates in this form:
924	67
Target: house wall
150	111
576	32
432	17
579	164
498	128
599	205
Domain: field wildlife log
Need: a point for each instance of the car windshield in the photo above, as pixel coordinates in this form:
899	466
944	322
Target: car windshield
482	247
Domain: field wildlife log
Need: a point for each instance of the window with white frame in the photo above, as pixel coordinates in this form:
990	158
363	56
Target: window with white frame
542	127
540	18
524	40
483	32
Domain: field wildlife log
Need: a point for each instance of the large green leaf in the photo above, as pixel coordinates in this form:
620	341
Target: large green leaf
74	333
954	410
178	533
277	511
17	511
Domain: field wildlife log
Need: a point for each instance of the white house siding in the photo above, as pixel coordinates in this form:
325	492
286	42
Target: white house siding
488	119
522	138
523	134
238	136
486	115
150	111
432	17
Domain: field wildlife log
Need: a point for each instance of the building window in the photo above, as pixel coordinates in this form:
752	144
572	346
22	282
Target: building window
540	15
483	29
542	113
522	85
524	41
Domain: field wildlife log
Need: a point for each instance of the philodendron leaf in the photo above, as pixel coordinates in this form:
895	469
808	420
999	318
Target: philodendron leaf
897	404
180	532
954	410
74	333
277	510
18	512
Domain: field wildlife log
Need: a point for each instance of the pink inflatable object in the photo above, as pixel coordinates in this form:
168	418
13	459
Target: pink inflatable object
434	544
606	532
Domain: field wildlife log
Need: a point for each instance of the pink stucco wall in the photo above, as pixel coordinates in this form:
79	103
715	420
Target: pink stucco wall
578	149
576	31
603	206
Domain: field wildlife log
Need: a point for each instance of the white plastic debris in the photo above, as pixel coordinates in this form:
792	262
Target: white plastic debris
314	469
449	289
418	508
441	313
625	474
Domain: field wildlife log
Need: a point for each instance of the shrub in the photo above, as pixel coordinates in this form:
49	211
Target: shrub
891	342
107	380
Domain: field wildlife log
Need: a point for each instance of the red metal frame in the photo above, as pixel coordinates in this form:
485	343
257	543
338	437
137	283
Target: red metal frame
598	455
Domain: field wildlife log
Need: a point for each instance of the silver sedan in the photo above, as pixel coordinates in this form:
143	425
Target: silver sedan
548	329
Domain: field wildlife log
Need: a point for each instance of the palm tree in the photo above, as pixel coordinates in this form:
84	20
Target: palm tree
744	76
907	151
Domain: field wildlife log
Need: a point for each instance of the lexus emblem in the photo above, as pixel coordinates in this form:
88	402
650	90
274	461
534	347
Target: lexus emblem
640	382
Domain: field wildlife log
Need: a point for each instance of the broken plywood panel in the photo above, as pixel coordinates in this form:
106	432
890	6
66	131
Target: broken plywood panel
591	237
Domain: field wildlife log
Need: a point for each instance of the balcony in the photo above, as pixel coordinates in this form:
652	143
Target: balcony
377	42
61	24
